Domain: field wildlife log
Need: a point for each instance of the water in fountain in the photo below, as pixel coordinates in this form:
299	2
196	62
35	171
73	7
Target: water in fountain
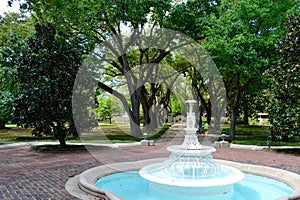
191	169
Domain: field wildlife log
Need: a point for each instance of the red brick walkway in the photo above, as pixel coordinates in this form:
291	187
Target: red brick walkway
26	174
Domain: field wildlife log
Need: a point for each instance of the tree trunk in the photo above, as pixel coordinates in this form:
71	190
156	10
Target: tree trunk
235	109
60	133
161	118
135	117
154	115
204	104
246	115
135	129
236	102
217	123
232	125
147	115
2	124
208	113
62	142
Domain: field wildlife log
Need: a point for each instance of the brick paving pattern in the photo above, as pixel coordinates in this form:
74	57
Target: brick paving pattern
27	174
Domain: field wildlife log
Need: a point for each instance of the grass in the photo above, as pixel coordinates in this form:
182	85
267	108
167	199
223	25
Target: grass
12	134
115	133
109	133
257	135
119	133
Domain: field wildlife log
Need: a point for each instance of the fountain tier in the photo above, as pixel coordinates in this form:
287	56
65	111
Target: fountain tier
191	169
163	181
191	172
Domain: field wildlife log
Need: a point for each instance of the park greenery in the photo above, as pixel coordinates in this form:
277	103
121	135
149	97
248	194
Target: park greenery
46	68
255	46
285	107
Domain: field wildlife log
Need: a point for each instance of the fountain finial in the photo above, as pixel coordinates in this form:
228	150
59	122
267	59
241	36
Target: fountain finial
191	119
191	140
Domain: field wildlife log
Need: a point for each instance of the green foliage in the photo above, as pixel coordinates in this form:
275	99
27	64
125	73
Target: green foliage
241	39
14	25
6	100
46	72
197	12
285	74
14	29
104	108
107	107
205	126
97	22
175	106
239	35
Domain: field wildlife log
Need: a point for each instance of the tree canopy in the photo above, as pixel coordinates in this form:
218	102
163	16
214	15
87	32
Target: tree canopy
46	71
15	28
103	23
285	74
241	38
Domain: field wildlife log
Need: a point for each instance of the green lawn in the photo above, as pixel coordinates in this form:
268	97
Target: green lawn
257	135
119	133
109	133
12	133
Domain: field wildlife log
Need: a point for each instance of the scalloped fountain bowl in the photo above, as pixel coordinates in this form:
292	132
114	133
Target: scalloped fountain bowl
191	172
214	185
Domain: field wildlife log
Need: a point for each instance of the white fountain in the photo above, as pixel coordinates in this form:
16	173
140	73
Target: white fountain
190	169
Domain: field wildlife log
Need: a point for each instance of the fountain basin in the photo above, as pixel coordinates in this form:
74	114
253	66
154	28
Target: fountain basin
124	184
86	180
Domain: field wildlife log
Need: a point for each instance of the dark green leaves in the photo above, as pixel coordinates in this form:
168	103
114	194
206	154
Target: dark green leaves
46	72
285	74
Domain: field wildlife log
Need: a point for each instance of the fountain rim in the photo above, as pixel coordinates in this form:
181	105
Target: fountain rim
83	185
191	101
181	150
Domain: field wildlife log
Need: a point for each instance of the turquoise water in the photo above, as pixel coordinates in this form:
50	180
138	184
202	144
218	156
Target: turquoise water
131	186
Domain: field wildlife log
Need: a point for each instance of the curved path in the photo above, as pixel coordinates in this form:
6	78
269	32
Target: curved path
27	174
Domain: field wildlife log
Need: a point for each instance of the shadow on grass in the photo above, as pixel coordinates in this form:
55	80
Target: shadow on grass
294	151
33	138
48	148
